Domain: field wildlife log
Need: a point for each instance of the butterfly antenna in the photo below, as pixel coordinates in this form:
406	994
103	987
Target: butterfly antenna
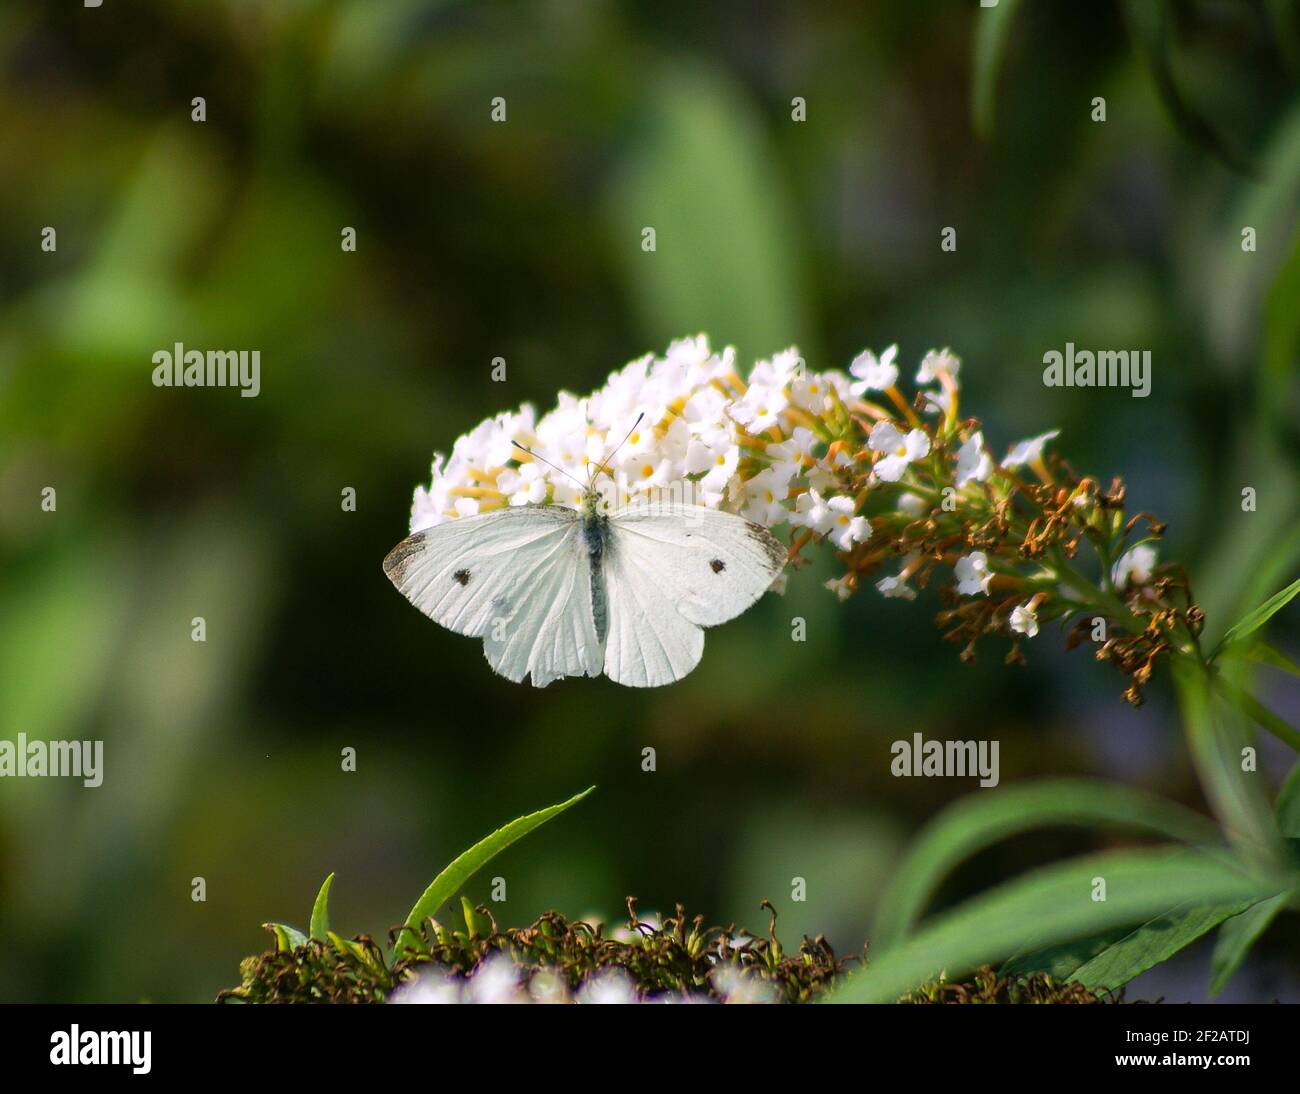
543	459
604	464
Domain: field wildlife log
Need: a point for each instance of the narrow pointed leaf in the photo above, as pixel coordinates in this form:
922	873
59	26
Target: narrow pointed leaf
448	883
1237	936
1155	941
979	821
1259	653
1287	808
1241	932
320	910
1061	961
1215	739
1255	619
286	938
1054	905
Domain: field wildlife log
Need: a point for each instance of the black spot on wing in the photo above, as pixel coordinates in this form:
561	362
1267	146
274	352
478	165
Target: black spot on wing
718	565
462	576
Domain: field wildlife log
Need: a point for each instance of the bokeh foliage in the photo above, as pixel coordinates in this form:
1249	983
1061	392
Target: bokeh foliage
522	241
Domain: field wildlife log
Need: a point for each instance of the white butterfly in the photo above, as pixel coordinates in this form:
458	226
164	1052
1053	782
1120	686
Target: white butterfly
555	591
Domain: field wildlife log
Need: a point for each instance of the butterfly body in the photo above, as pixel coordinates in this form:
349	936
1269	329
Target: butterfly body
595	533
555	591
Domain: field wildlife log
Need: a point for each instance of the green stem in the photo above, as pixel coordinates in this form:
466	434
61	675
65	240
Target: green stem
1102	601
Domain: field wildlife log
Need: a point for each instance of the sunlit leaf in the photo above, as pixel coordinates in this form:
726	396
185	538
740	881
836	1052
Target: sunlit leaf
1155	941
1261	653
1053	905
1255	619
346	947
448	883
320	910
981	820
286	938
700	174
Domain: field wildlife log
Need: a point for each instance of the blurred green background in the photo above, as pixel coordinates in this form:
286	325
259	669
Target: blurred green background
522	240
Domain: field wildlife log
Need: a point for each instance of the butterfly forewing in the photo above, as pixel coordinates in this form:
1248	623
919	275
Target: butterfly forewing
712	565
518	578
670	570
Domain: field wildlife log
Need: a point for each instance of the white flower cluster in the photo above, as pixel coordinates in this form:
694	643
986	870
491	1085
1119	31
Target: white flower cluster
698	420
686	426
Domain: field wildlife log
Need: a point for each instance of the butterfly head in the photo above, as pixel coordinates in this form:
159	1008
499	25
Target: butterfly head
595	501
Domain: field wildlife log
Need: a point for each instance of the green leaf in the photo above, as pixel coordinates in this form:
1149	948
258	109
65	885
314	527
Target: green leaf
1274	658
978	821
448	883
1253	620
1149	22
1287	807
1155	941
1215	739
1259	713
1245	287
476	925
1061	961
320	910
286	938
346	946
700	169
1053	905
1258	552
1281	317
991	37
1101	960
1260	653
1237	936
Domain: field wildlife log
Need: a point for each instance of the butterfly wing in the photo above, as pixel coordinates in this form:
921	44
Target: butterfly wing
518	578
671	570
